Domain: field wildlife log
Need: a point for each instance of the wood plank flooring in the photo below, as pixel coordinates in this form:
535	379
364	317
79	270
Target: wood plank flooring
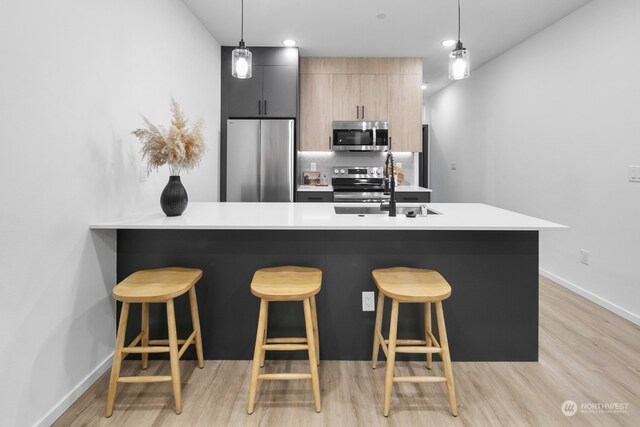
587	354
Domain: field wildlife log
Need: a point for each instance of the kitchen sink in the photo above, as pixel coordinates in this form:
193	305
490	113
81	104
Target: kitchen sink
375	210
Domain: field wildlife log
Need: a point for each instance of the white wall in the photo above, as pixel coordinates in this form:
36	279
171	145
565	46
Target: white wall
548	129
74	76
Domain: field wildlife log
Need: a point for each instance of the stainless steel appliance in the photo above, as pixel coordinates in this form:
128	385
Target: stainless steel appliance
358	184
360	136
260	160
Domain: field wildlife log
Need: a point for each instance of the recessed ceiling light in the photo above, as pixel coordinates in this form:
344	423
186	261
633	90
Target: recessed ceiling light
289	43
448	43
424	86
381	15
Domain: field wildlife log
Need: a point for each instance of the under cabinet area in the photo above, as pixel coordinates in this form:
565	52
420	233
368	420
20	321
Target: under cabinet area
372	89
413	197
315	196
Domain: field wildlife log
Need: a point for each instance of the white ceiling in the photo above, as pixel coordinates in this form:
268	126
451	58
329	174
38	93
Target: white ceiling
411	27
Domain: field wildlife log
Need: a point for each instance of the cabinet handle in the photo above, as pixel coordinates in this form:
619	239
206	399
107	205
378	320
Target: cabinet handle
265	107
409	198
259	107
389	143
330	145
314	198
363	111
357	111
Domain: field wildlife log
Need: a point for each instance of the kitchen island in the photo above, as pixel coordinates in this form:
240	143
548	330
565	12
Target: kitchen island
488	255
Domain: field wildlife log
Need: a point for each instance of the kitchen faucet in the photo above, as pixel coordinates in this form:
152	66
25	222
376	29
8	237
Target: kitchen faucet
389	186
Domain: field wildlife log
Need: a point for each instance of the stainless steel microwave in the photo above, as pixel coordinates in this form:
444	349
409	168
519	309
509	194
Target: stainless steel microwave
360	136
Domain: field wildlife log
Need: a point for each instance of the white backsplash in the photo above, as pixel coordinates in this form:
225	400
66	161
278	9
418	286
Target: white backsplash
325	160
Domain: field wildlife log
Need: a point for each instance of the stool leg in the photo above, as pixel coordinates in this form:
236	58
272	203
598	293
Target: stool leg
427	328
376	329
173	355
195	320
257	354
263	353
145	333
446	359
313	364
117	358
391	360
316	336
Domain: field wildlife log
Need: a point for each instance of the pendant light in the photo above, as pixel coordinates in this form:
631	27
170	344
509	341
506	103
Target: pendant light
241	56
459	58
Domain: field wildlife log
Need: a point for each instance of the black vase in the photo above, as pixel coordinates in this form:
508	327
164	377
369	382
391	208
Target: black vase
174	197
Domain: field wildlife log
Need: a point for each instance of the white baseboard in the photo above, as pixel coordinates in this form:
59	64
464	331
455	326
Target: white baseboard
64	404
631	317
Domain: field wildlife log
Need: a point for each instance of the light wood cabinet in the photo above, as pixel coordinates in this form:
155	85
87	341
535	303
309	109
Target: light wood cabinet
405	112
346	97
360	97
374	89
374	97
315	112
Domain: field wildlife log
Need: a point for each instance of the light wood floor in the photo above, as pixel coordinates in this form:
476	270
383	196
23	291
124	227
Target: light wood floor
587	354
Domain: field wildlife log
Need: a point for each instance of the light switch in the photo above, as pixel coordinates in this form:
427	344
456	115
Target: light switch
454	166
313	167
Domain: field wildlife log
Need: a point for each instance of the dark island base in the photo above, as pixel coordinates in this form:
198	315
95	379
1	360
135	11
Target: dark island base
492	314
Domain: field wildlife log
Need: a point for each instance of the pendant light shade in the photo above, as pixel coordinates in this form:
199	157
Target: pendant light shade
459	63
241	56
459	58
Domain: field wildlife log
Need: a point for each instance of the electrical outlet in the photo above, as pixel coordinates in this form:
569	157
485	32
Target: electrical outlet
144	175
368	301
313	167
634	173
584	257
454	166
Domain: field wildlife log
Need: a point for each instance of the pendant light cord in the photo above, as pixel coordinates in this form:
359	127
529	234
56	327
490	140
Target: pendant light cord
242	19
458	20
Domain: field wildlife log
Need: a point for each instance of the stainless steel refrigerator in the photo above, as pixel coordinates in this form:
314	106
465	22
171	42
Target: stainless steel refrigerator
260	160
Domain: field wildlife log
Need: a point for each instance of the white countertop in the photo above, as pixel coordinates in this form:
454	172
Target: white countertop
315	188
401	188
321	216
412	188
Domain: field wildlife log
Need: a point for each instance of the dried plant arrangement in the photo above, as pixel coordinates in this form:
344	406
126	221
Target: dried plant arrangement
179	146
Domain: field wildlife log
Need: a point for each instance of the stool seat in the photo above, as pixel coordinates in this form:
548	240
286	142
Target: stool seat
156	285
412	284
286	283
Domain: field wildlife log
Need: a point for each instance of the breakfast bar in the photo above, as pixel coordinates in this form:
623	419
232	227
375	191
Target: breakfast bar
488	255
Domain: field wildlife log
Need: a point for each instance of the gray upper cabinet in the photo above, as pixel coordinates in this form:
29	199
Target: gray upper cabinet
279	90
245	95
271	92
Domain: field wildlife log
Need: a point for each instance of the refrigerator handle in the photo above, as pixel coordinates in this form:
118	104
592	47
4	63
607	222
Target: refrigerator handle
259	161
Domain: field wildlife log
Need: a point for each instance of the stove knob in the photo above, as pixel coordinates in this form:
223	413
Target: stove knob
342	171
336	171
372	171
378	170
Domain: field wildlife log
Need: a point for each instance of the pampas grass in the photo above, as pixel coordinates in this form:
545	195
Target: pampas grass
179	147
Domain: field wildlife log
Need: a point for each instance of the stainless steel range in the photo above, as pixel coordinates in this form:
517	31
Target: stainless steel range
358	184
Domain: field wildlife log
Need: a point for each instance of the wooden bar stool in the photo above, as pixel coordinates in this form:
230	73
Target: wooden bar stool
155	286
287	284
415	286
